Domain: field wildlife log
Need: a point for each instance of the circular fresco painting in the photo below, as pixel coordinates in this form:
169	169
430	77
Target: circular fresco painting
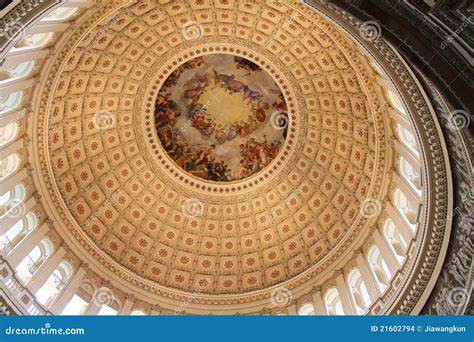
221	117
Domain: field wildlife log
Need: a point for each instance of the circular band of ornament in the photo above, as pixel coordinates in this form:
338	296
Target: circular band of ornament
167	166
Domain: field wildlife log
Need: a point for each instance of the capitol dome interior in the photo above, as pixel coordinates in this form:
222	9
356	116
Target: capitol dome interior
231	157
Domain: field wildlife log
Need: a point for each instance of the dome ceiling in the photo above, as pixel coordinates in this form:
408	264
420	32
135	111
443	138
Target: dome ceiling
144	104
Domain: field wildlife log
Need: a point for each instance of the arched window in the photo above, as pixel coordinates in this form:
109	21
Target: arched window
55	283
358	291
80	301
395	239
407	138
12	198
395	102
410	173
306	310
60	14
10	102
406	208
137	313
17	72
34	259
379	267
8	133
7	241
33	41
18	231
9	165
333	302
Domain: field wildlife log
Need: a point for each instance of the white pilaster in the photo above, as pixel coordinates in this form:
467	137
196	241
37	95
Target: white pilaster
93	308
319	307
368	278
344	295
387	254
291	309
126	308
401	224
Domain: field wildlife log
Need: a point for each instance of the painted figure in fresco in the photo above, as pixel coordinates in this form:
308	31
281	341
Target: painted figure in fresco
222	80
245	64
253	152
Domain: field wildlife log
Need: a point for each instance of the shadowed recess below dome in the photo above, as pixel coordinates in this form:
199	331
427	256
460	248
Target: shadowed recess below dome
221	117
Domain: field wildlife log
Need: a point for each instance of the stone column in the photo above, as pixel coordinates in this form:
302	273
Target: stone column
319	306
24	247
367	276
292	309
45	270
401	224
68	291
126	308
413	196
93	308
344	294
387	253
